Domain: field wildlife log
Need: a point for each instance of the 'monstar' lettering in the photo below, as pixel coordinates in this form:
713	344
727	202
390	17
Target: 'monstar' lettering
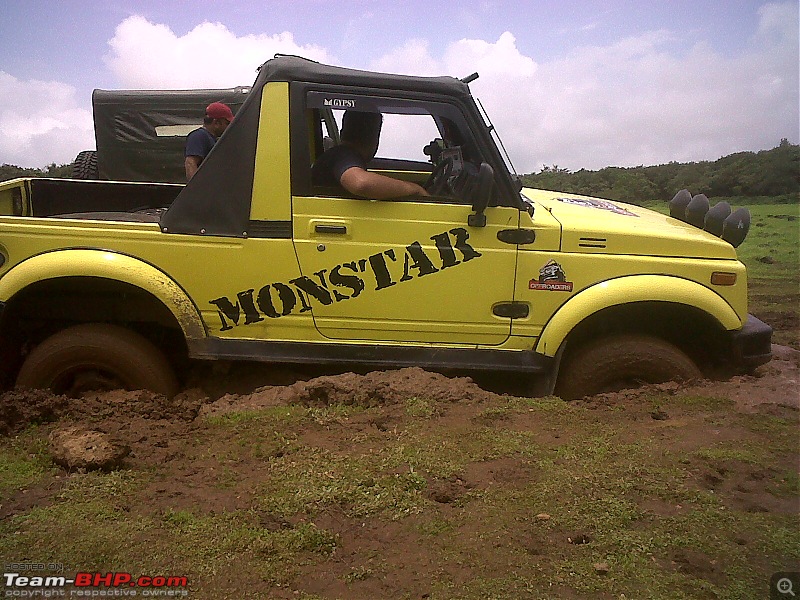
345	281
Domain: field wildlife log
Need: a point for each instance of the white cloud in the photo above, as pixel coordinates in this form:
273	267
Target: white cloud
636	101
41	122
490	59
412	58
777	21
145	55
647	99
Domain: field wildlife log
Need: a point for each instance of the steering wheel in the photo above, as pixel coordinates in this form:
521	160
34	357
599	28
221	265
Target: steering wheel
439	179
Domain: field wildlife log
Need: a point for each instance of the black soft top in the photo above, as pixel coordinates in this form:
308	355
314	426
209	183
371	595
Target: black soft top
217	199
127	123
294	68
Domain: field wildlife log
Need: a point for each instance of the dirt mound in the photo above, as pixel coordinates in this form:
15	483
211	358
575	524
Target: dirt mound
19	408
141	403
378	388
774	384
77	447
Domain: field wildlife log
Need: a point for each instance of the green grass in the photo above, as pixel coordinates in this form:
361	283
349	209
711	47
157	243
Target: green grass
23	462
420	407
772	233
605	474
774	285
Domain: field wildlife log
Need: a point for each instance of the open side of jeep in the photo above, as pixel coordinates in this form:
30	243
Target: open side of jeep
105	284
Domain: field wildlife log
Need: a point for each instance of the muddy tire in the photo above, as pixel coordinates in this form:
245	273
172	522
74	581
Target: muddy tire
9	362
85	165
620	362
97	357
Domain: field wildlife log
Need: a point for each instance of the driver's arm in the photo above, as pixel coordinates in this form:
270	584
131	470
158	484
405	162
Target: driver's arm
373	185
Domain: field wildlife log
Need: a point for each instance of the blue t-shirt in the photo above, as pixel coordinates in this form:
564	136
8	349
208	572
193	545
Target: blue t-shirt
329	168
199	143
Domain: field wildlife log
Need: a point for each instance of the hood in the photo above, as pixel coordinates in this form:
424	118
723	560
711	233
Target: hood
594	225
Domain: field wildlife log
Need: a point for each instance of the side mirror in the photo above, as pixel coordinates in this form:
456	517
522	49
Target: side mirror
481	194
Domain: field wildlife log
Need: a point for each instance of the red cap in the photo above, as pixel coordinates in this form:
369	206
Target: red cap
218	110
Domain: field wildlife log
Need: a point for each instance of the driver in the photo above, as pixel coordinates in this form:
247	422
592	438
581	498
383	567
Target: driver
346	164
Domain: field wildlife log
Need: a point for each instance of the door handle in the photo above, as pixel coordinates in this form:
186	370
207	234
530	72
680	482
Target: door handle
330	228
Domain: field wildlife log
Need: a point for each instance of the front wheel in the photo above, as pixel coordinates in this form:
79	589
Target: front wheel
97	356
620	362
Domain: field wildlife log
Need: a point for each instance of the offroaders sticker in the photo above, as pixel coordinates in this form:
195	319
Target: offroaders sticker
596	203
345	281
551	279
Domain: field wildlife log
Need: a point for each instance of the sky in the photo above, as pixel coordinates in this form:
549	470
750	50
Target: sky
577	84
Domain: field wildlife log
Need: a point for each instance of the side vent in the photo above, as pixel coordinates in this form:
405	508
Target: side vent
587	242
270	229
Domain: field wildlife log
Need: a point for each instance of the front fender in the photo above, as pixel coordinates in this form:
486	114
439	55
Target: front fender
626	290
107	265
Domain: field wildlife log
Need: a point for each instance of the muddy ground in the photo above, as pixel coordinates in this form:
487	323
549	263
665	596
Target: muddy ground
175	441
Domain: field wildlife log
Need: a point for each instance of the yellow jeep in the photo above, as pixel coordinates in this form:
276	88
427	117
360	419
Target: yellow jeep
123	284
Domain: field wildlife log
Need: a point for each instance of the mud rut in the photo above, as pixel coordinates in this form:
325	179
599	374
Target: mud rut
243	388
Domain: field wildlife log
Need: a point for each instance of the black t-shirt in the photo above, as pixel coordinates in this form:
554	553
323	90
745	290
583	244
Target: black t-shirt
329	168
199	143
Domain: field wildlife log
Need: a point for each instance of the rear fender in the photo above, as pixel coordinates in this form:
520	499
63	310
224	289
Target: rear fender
107	265
626	290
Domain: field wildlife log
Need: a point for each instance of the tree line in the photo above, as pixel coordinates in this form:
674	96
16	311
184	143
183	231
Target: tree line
772	173
52	170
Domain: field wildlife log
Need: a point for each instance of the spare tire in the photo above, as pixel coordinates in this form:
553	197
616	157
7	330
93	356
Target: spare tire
623	361
85	165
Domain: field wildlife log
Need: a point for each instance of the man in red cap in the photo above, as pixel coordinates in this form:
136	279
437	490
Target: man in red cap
200	142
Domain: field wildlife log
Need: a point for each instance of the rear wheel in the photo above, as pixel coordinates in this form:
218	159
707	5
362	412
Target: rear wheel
85	165
9	362
623	361
97	356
